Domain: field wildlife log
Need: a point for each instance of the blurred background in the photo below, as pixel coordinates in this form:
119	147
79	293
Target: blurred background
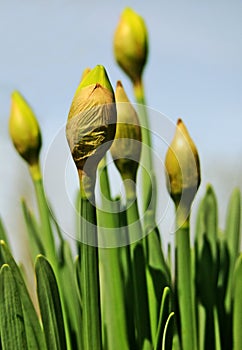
194	71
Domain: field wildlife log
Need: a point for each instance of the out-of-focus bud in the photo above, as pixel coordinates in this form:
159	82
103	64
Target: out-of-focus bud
84	73
91	121
183	167
126	147
131	44
24	129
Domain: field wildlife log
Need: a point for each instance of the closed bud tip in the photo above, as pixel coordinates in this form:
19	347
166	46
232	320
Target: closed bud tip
24	129
131	44
182	166
126	148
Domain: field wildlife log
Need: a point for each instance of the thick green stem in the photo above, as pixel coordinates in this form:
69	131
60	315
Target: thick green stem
185	284
118	320
90	288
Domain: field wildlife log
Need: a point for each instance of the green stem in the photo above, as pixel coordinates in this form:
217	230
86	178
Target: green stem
119	324
185	283
141	302
146	155
90	288
44	213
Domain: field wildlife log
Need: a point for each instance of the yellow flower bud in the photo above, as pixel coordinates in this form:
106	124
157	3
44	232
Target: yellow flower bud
24	129
131	44
91	121
182	166
126	147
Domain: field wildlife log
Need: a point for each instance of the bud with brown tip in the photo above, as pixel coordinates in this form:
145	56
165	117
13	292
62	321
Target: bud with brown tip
91	121
126	148
183	167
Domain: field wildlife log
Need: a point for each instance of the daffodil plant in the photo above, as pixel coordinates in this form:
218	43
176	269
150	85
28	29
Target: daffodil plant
117	289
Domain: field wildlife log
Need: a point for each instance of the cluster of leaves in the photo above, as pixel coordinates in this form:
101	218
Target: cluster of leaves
217	283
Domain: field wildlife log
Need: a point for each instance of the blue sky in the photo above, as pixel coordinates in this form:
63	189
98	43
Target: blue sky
194	72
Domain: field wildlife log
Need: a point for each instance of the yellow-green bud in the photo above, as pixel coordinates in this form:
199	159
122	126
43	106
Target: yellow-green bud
131	44
24	129
126	147
182	166
91	121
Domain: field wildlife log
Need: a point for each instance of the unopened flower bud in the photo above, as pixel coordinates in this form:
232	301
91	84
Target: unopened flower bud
126	147
182	166
131	44
24	129
91	121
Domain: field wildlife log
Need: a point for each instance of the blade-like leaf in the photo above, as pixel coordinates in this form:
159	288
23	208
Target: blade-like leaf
168	333
33	232
34	334
11	314
232	233
157	277
3	234
164	314
70	294
237	305
50	305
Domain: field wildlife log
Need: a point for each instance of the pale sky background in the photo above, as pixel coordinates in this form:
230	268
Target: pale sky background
194	72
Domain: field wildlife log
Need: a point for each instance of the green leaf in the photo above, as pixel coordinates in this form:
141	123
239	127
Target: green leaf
168	333
3	233
223	317
141	304
33	232
70	294
146	345
11	314
164	314
237	305
50	305
233	225
232	234
211	220
206	276
34	334
77	267
158	277
47	236
114	304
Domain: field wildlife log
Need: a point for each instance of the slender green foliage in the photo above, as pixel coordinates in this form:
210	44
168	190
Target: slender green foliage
237	304
50	305
11	314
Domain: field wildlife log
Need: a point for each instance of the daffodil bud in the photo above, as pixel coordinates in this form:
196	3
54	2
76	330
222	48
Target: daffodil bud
126	147
91	121
131	44
182	166
24	129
